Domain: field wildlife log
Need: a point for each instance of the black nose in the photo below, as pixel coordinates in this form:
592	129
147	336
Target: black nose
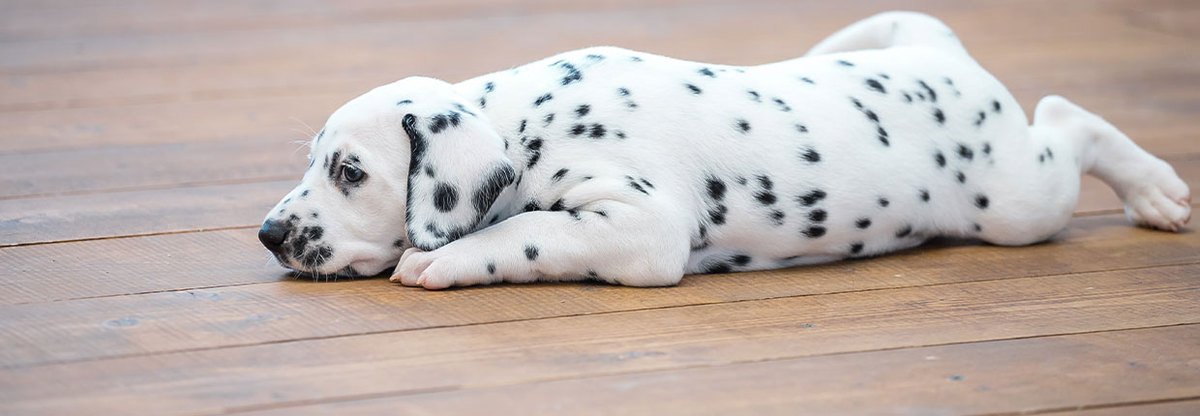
273	233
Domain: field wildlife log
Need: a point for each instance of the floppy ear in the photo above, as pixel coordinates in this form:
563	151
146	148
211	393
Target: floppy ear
457	170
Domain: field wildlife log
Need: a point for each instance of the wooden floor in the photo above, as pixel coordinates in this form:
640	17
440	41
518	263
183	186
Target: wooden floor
143	140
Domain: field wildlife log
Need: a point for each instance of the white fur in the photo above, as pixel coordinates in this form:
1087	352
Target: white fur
639	201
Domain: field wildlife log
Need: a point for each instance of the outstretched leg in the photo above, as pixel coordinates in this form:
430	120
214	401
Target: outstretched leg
605	230
890	29
1041	177
1153	194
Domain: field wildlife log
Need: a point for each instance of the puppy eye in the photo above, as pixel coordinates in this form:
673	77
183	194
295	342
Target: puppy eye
352	174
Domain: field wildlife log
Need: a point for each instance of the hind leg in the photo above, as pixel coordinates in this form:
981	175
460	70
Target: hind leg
1039	180
1154	196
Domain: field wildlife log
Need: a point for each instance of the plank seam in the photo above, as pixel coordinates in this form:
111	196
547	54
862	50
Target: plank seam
403	393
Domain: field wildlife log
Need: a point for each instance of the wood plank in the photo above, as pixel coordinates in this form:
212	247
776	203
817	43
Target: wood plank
1005	377
110	214
141	167
1171	408
172	321
353	62
468	357
128	50
119	266
40	220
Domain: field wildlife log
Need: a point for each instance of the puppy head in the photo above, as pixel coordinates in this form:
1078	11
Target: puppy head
407	164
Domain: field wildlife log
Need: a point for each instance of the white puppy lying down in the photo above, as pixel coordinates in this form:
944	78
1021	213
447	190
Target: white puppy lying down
636	169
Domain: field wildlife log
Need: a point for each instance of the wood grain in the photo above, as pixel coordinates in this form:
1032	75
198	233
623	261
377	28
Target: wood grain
1005	377
718	335
287	310
73	217
145	139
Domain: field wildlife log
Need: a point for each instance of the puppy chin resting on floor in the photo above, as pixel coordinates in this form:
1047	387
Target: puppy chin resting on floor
637	169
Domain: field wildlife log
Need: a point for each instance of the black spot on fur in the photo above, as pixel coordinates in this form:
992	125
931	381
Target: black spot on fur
811	198
532	206
740	259
578	129
633	183
818	215
716	267
522	128
445	197
491	268
743	125
542	100
939	116
534	149
531	252
558	205
707	72
777	217
883	202
965	152
546	121
717	215
874	85
765	182
928	90
862	223
807	80
694	89
904	231
962	177
987	148
624	92
559	175
856	248
573	73
782	105
980	118
845	63
765	197
801	128
403	102
925	195
815	231
582	110
940	159
811	155
754	96
597	131
995	106
441	122
716	189
981	201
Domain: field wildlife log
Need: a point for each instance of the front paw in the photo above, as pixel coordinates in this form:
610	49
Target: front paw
412	263
438	269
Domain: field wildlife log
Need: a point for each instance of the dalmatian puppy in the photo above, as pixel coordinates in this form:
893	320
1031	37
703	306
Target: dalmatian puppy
637	169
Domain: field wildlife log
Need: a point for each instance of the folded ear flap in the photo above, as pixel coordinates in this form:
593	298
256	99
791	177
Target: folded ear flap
457	170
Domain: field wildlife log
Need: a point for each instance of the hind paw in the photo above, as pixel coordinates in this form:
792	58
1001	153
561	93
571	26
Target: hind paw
1162	202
